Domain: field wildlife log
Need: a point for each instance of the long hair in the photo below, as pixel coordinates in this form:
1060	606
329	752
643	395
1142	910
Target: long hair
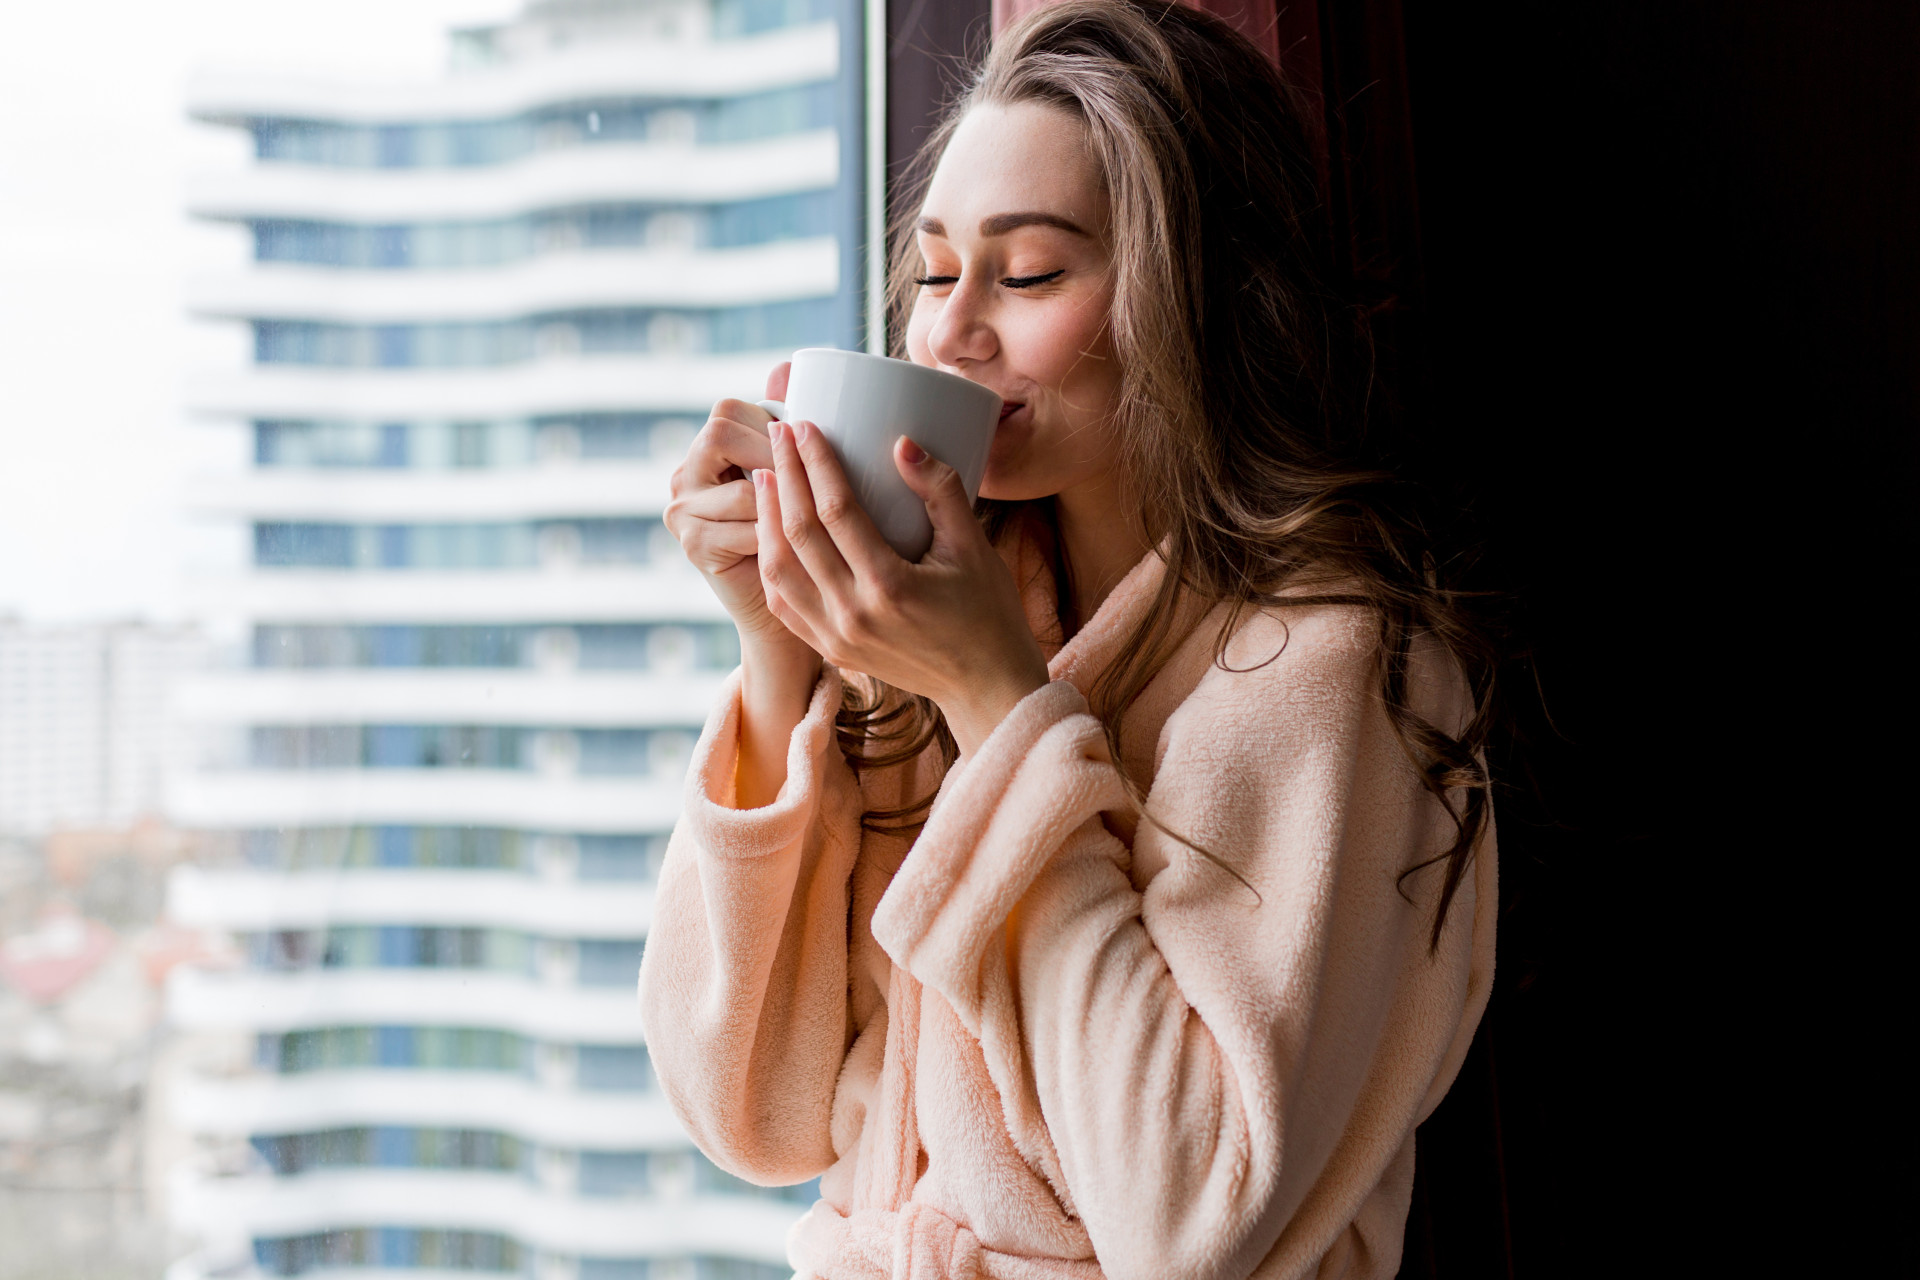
1241	426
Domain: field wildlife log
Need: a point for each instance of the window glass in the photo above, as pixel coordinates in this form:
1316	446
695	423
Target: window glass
430	770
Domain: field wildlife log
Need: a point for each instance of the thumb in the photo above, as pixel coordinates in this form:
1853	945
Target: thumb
777	380
938	485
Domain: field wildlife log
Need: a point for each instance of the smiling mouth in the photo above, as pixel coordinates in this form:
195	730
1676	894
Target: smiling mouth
1010	407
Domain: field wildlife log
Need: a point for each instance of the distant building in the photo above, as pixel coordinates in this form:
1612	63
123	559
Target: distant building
86	737
487	314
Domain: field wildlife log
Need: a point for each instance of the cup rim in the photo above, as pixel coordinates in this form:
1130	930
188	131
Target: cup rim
899	363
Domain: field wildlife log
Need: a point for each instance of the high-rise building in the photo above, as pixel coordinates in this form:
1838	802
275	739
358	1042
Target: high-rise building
86	734
487	314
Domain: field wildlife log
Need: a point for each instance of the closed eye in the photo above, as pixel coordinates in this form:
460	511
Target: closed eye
1027	282
923	281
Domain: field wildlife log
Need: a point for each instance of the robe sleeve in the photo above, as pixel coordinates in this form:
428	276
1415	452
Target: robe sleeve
744	983
1202	1066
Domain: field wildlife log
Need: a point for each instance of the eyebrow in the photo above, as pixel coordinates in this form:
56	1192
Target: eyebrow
1001	223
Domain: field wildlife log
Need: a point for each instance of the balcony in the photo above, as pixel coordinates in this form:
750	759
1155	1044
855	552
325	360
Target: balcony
729	1226
247	1000
548	491
774	272
452	797
241	1106
668	593
589	699
557	385
606	173
653	69
248	900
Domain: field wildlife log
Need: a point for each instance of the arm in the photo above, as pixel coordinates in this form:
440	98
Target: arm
1205	1077
743	986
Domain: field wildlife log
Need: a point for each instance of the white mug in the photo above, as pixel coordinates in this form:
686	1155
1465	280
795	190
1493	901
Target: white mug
863	404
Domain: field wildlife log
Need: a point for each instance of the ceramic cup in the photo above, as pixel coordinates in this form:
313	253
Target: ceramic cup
863	404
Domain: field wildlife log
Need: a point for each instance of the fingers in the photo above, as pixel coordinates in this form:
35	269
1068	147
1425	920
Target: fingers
734	437
777	380
939	486
714	526
791	593
840	513
800	518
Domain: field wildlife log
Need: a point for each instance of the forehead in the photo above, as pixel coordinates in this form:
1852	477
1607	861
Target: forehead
1018	158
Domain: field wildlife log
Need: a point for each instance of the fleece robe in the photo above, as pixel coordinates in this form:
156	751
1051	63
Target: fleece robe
1045	1038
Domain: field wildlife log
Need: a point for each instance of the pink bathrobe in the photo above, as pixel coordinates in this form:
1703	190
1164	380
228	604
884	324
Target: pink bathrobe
1044	1040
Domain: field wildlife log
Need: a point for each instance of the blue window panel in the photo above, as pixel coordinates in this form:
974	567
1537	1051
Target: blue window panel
398	947
277	545
620	857
394	646
393	1046
394	1147
396	146
398	1247
393	445
610	963
770	325
395	845
394	746
396	546
613	751
615	541
612	1269
266	443
613	1068
613	1173
393	345
390	246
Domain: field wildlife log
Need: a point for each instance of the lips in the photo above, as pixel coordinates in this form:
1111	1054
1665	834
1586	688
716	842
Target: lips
1010	407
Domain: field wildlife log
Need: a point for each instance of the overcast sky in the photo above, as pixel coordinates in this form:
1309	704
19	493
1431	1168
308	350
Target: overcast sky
94	251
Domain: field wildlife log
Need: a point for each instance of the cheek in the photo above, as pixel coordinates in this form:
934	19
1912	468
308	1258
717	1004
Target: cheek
1054	347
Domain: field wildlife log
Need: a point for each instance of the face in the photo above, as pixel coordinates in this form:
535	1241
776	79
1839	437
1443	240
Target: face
1017	294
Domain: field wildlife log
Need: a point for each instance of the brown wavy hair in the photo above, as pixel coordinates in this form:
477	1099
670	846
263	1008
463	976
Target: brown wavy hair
1242	424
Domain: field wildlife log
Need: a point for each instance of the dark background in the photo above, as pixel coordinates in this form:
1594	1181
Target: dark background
1648	286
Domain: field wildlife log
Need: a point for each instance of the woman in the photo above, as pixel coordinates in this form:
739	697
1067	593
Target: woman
1199	923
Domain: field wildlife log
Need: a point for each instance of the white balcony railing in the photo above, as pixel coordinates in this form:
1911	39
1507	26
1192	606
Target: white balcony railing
547	491
667	593
240	798
606	173
681	384
247	1000
654	68
775	272
588	699
247	900
240	1106
724	1225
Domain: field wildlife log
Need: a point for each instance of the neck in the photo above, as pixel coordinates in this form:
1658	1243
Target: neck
1100	540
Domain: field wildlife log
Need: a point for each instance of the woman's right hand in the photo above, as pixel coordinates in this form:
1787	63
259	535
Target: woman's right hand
712	512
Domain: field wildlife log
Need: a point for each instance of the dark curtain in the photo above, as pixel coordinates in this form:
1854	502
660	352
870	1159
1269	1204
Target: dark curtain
1645	289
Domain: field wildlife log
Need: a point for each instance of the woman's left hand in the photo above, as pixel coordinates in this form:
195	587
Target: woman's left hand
950	627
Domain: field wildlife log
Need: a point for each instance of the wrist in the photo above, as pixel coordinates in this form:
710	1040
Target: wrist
972	716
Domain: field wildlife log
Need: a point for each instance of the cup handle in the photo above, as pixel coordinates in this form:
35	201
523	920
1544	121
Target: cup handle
775	407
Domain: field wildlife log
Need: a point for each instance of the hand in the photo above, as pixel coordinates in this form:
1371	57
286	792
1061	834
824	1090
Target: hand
712	513
950	627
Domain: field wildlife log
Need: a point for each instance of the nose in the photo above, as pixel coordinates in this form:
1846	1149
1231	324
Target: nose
964	333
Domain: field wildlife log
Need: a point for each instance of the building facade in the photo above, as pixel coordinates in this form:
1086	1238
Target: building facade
487	314
86	734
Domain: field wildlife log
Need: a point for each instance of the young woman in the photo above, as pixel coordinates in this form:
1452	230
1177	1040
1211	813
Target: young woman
1111	893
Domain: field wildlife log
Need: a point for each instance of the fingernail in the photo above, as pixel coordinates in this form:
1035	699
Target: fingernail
801	432
759	477
913	453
